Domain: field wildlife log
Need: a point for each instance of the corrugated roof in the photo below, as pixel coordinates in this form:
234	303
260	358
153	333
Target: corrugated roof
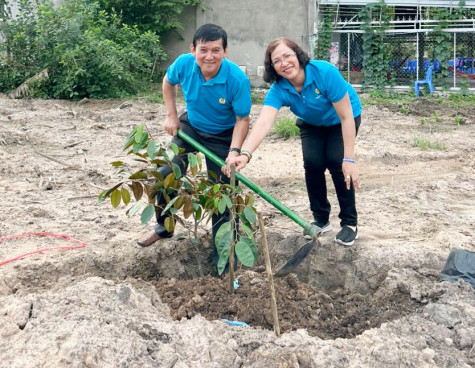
427	3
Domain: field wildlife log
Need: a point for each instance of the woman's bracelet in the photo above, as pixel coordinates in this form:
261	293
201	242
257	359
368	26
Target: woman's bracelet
352	160
247	153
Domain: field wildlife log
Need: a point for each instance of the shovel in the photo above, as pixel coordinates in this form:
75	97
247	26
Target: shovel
312	230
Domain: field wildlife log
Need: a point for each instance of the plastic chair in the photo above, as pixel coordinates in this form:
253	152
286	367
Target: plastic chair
427	81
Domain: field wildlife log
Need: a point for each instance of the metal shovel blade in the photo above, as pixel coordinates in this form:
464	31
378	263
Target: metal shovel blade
296	259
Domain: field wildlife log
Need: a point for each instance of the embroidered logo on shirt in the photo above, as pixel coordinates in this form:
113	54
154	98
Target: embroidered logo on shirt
222	101
317	91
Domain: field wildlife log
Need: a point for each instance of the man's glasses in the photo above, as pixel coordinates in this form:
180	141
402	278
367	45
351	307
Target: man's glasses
277	63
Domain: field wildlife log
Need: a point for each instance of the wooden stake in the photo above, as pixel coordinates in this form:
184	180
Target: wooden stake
233	230
273	299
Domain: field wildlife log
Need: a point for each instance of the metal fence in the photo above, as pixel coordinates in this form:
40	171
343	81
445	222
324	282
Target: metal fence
409	56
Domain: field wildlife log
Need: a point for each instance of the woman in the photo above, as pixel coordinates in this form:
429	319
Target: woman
328	114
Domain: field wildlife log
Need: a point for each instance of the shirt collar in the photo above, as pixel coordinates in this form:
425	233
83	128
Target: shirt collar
219	78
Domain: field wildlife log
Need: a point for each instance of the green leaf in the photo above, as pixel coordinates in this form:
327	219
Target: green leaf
169	180
117	163
222	205
147	213
169	204
132	211
115	198
192	160
216	188
223	261
244	251
250	215
200	161
152	149
247	229
174	148
139	134
176	171
169	224
228	202
138	175
224	243
106	193
223	229
125	196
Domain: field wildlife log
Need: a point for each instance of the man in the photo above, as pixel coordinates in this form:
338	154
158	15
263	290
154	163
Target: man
218	103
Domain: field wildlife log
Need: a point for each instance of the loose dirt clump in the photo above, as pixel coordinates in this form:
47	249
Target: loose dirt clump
300	306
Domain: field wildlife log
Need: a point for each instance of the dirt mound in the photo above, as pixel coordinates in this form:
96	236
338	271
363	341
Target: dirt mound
379	303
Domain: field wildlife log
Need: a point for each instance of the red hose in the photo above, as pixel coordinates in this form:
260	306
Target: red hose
67	237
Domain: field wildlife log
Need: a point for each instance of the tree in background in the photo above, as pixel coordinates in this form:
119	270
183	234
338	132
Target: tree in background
159	16
83	49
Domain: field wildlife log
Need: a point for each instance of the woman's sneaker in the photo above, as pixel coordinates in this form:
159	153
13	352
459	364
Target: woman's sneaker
324	229
347	235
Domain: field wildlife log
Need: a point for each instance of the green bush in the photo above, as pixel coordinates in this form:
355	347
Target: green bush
88	52
285	128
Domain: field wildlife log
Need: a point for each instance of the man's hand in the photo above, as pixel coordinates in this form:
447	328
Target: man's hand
172	125
240	161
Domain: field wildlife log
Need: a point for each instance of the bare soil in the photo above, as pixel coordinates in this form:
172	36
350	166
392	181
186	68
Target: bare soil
75	291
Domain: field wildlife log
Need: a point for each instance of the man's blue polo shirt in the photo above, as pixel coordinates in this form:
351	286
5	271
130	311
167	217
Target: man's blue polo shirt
213	105
323	86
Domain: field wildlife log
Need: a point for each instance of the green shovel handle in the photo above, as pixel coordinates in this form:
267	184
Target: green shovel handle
309	228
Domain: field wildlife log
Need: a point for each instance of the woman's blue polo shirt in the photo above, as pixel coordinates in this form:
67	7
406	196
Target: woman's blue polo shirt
213	105
323	86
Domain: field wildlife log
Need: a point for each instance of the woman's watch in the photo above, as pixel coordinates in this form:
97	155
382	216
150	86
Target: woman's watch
234	149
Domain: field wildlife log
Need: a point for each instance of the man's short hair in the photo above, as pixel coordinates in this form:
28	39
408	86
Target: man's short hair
210	32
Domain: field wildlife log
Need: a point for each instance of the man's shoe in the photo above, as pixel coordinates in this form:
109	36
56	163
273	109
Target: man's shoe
324	229
347	235
151	238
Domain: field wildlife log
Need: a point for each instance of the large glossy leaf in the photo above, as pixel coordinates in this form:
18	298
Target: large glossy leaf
137	189
223	229
244	251
152	149
125	196
115	198
147	214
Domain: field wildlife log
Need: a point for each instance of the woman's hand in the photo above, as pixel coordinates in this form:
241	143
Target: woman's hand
240	161
350	172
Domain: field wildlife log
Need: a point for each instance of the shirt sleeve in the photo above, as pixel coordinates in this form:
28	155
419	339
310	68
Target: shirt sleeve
274	97
174	74
337	87
242	100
